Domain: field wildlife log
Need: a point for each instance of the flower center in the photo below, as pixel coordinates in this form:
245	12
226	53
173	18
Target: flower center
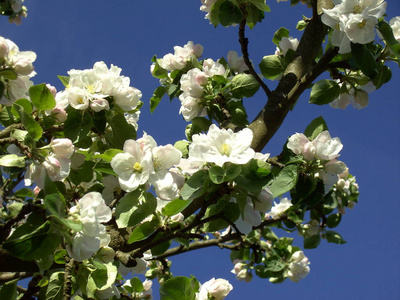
226	149
362	24
80	100
137	167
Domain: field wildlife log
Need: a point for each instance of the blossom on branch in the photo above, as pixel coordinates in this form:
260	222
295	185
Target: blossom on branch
222	145
216	289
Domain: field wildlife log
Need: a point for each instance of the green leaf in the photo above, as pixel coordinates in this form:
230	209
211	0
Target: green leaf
312	242
228	172
199	124
333	220
122	131
229	14
158	71
108	155
292	216
83	174
272	66
364	60
238	113
230	211
324	92
174	207
77	125
260	4
158	94
144	230
134	207
334	237
9	290
279	34
244	85
29	242
12	160
30	124
64	80
384	75
301	25
387	32
179	287
316	126
9	74
54	290
275	264
285	180
41	97
59	256
194	186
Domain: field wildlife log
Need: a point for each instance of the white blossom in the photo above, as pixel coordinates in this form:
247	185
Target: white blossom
216	288
134	166
222	145
298	267
241	271
91	211
181	56
279	208
285	44
236	63
206	7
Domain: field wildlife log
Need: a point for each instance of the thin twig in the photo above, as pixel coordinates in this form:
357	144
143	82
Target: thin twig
244	42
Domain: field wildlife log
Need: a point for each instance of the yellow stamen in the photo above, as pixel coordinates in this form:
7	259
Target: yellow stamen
137	167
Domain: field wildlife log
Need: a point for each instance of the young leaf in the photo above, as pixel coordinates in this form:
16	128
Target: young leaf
244	85
41	97
334	237
77	125
30	124
315	127
272	66
364	59
134	208
179	287
279	34
157	96
285	180
12	160
324	92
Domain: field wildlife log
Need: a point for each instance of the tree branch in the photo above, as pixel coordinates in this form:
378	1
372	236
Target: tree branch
5	277
271	117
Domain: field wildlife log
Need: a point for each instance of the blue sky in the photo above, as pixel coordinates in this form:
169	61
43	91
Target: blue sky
76	34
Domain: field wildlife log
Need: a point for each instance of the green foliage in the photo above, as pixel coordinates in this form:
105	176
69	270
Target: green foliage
41	97
78	125
179	287
316	126
324	92
279	34
12	160
134	207
244	85
272	66
285	180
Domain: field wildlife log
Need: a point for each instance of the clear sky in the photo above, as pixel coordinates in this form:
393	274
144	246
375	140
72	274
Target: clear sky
76	34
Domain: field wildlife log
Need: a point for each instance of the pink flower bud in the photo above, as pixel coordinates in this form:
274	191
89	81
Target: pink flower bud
52	89
99	104
198	50
59	114
201	79
62	147
3	48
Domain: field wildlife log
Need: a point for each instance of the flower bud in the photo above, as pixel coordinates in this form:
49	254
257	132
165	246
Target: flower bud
99	104
198	50
59	114
62	147
3	48
23	66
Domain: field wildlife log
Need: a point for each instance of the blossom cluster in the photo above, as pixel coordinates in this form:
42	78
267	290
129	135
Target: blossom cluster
56	163
91	211
144	162
353	21
96	88
298	267
322	153
17	68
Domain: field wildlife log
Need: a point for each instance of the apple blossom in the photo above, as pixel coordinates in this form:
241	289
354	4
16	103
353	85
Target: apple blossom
133	166
236	63
181	56
298	267
62	147
241	270
222	145
206	7
91	211
218	289
279	208
353	21
285	44
395	24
